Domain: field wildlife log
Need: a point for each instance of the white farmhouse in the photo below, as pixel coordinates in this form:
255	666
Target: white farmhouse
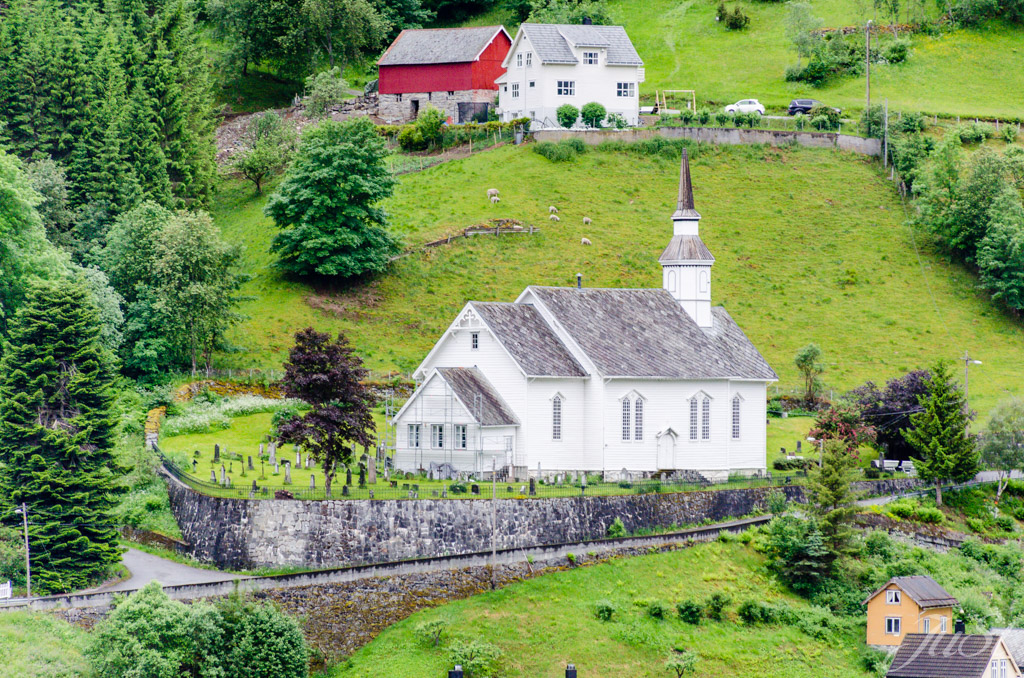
646	380
550	65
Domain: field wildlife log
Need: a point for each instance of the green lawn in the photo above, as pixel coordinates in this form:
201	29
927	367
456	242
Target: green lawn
810	245
544	623
34	645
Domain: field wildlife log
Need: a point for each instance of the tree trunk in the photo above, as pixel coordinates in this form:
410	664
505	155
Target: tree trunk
1001	484
245	67
938	493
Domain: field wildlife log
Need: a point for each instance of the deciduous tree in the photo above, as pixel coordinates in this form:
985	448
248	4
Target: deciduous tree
808	361
888	410
1002	444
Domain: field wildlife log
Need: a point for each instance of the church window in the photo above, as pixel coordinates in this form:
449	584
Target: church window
556	418
437	436
414	435
475	340
705	419
693	418
625	418
461	439
736	418
671	281
703	281
638	419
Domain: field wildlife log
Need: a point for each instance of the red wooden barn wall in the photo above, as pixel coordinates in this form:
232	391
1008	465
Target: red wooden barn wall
478	74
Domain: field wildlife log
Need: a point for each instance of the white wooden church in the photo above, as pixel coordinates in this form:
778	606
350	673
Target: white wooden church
602	380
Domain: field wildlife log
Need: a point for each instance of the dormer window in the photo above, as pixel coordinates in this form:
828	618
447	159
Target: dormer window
892	597
590	58
475	340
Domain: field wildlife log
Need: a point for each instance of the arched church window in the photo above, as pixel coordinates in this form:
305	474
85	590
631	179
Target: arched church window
702	281
625	418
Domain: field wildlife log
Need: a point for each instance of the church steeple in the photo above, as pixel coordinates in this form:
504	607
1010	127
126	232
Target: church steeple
686	262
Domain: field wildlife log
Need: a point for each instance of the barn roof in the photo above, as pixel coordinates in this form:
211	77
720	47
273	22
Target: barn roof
479	396
553	43
419	46
529	340
942	655
646	333
924	591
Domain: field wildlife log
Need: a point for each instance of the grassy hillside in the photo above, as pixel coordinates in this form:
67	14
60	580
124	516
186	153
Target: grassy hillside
542	624
810	246
968	72
40	646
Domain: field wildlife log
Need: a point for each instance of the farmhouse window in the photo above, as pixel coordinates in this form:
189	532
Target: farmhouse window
625	89
590	58
556	418
529	58
693	418
638	420
705	419
519	60
892	626
414	435
998	668
566	88
515	90
892	597
437	436
625	418
942	624
461	439
926	625
475	340
736	418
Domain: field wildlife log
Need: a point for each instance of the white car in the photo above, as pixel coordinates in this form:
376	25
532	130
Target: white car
746	106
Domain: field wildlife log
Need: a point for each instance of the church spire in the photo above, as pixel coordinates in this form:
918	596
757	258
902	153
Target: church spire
685	188
686	262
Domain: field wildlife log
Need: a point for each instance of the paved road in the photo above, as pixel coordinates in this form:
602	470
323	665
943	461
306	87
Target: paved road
145	568
983	477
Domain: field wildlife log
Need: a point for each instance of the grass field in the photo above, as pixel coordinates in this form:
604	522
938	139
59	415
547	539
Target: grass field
542	624
40	646
810	245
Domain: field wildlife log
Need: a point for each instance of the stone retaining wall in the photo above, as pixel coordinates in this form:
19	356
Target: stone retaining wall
397	108
249	533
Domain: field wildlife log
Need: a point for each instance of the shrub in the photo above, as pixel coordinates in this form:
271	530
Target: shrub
616	529
736	20
431	632
792	464
1009	133
876	661
429	125
740	119
323	90
714	608
1006	524
571	557
567	115
592	113
686	115
817	622
896	53
931	514
902	508
457	488
690	611
604	610
684	662
830	115
722	118
756	612
617	121
555	152
872	122
908	123
704	116
479	659
721	12
973	133
800	121
411	139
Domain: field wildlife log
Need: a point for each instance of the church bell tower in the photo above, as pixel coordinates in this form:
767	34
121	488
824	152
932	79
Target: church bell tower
686	262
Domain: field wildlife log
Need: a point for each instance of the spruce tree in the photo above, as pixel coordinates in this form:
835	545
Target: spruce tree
944	451
831	498
56	435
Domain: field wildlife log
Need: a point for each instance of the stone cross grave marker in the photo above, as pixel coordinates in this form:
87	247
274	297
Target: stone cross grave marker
277	468
195	465
372	475
216	453
287	473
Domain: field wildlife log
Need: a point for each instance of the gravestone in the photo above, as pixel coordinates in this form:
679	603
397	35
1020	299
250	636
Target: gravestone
216	453
287	473
261	450
273	454
213	476
435	494
227	482
362	477
372	473
348	476
344	490
223	475
474	489
250	462
298	459
533	487
195	465
312	481
254	488
309	462
799	445
277	468
624	474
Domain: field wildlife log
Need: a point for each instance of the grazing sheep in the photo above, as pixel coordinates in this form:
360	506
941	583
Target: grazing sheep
495	200
585	241
554	217
492	192
586	221
552	210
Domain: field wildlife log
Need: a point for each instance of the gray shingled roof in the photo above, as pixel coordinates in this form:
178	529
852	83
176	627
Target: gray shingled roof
942	655
417	46
924	590
646	333
686	248
468	383
1014	640
527	337
552	43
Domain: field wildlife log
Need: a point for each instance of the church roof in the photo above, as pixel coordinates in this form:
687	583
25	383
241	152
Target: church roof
479	396
686	248
684	204
522	331
646	333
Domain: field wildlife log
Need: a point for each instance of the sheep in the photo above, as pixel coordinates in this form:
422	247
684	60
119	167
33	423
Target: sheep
554	217
585	241
492	192
495	200
586	221
552	210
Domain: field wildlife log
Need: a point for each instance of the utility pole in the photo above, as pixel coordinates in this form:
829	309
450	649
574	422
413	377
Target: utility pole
885	137
968	361
28	567
867	61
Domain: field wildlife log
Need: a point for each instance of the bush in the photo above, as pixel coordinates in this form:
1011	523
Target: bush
792	464
755	612
323	90
1006	524
897	51
429	124
973	133
1009	133
908	123
431	632
616	529
457	488
592	113
721	12
604	610
902	508
872	122
817	622
556	152
714	608
930	514
657	610
690	612
876	661
411	139
736	20
704	116
722	118
617	121
830	115
479	659
687	116
800	121
683	663
567	115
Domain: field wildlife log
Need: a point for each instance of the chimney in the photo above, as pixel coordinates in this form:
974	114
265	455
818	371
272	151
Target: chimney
579	281
960	627
587	21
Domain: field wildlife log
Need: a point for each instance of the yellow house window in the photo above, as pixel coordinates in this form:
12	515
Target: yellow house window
942	624
926	625
892	597
892	626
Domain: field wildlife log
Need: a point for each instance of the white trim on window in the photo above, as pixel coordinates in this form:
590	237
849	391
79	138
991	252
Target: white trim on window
474	340
437	436
942	624
926	625
529	58
625	89
515	90
693	418
892	626
705	418
519	60
460	436
638	419
565	88
625	418
414	435
591	58
736	417
893	597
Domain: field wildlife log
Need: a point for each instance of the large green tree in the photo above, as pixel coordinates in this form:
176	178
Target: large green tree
831	498
56	435
938	434
328	206
1001	251
344	29
1002	443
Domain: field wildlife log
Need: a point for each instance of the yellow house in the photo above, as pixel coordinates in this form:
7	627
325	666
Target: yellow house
953	656
908	605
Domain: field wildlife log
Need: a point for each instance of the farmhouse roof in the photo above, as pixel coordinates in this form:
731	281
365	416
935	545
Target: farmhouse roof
418	46
553	43
1014	641
531	342
942	655
479	396
924	591
646	333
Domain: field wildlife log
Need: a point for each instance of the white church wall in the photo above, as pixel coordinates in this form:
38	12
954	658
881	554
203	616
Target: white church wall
566	454
749	452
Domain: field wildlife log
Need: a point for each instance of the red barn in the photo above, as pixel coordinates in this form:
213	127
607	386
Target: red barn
453	69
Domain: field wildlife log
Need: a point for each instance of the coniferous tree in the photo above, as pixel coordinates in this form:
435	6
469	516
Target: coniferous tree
56	435
944	451
831	498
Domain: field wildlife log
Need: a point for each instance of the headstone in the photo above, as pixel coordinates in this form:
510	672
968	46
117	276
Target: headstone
261	450
216	452
474	489
273	453
254	488
213	476
277	468
371	494
312	481
533	487
344	490
250	461
348	476
287	473
223	475
362	476
227	482
372	472
298	459
799	445
309	462
195	465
